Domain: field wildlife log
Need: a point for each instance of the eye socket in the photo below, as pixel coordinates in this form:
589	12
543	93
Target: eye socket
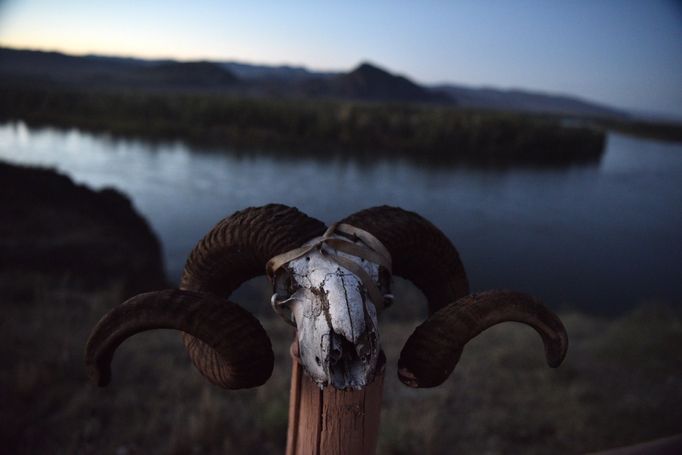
284	286
291	284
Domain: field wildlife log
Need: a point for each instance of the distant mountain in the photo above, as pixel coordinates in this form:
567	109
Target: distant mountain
106	72
281	72
186	74
367	82
371	83
525	101
57	67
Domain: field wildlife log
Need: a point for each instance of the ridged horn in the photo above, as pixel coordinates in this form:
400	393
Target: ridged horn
235	251
420	252
237	248
232	334
433	350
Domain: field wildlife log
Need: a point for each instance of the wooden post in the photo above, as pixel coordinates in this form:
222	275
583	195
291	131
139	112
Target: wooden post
332	421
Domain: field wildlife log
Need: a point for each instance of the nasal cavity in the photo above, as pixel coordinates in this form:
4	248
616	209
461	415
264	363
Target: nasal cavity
342	352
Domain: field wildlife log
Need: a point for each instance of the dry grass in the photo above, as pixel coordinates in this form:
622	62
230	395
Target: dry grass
620	384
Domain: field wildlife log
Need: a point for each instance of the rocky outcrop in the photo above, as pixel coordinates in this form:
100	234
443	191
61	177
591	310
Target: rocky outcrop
55	228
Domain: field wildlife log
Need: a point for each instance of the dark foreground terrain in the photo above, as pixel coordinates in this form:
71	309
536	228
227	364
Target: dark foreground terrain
620	384
55	228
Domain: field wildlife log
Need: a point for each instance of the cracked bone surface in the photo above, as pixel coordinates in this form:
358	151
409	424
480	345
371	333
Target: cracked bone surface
336	320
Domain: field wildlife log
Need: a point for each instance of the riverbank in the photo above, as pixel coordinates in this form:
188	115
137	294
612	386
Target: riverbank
661	131
429	135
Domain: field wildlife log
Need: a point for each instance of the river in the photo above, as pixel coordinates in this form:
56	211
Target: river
601	238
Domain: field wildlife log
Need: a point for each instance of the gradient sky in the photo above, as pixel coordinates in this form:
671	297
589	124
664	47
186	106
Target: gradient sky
625	53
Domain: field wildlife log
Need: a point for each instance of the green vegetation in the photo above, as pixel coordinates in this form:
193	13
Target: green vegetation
428	134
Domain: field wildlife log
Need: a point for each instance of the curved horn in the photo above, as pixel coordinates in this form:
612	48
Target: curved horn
236	250
433	350
231	333
419	250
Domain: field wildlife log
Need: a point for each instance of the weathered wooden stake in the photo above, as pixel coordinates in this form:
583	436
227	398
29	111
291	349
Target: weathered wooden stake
331	421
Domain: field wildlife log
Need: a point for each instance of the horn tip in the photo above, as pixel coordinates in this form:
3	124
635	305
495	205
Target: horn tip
408	378
425	381
553	363
99	375
556	356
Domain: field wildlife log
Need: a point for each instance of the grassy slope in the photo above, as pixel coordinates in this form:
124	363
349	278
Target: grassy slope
620	384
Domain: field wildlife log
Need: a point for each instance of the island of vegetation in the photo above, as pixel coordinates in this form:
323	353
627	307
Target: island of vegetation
367	113
320	128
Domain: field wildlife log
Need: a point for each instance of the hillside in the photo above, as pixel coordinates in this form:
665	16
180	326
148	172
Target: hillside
526	101
64	232
186	75
94	72
366	82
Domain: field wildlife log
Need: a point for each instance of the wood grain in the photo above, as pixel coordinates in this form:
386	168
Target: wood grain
332	421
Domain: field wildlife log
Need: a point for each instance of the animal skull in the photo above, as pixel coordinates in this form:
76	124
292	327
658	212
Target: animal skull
336	320
327	289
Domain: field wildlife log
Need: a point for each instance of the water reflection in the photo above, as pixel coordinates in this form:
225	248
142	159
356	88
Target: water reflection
597	237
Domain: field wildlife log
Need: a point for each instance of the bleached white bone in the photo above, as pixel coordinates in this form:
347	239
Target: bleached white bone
336	320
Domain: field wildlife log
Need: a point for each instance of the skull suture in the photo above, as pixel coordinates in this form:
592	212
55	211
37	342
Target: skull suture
336	320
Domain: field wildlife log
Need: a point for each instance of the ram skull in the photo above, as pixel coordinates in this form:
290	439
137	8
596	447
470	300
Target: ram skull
331	304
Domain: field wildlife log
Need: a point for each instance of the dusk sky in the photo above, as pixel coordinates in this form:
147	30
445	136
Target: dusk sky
623	53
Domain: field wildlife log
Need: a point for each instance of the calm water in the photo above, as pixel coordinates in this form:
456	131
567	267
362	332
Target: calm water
602	238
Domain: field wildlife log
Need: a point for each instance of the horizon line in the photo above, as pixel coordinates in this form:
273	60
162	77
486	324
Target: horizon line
483	86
